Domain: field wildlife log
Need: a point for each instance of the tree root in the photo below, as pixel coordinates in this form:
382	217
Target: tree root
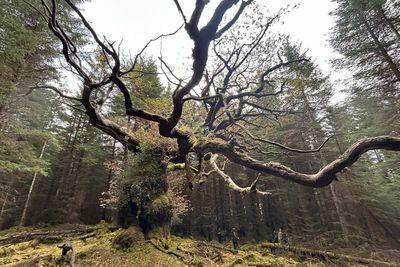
323	255
167	251
188	259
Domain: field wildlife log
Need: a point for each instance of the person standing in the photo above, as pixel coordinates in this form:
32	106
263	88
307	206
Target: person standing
235	239
280	236
220	235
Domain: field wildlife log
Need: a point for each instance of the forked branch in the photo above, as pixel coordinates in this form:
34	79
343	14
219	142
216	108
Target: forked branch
232	185
322	178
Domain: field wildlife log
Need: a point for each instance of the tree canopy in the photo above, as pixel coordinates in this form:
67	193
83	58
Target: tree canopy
234	82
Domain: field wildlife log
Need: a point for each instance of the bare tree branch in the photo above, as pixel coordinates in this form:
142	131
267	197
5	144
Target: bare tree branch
145	47
178	6
53	88
322	178
231	69
202	39
231	184
234	19
281	145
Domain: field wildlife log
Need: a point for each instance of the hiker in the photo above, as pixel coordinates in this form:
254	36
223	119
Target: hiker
278	236
285	238
235	239
220	235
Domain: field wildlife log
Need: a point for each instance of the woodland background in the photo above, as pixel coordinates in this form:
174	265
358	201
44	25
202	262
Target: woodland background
55	168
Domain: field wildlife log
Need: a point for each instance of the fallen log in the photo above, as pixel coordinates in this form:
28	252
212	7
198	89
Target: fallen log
42	235
50	235
84	237
323	255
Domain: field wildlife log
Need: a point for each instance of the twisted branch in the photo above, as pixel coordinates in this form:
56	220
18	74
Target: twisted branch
322	178
231	184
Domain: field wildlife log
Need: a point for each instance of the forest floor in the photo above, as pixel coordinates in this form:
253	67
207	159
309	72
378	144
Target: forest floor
96	246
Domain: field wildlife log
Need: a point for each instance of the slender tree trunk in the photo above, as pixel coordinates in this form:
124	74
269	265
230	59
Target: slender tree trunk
317	199
70	157
340	212
3	208
390	23
382	50
109	179
221	195
23	216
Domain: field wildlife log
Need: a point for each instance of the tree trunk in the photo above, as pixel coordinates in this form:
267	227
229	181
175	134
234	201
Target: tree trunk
109	180
382	50
70	157
6	195
390	23
23	216
340	212
152	205
3	208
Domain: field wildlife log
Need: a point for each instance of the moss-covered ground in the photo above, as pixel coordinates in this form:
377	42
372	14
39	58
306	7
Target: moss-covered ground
99	249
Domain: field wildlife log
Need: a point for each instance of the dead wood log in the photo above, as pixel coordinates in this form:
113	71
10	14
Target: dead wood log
50	235
323	255
27	236
84	237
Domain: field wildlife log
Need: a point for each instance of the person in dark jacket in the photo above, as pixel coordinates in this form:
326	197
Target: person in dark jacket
220	235
235	239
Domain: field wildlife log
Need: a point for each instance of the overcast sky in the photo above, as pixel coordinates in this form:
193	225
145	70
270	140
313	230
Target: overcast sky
135	22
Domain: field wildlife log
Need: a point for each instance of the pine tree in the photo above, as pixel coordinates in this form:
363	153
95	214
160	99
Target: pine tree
366	33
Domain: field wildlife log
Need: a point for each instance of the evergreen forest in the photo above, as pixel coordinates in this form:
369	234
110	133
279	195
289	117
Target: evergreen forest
242	156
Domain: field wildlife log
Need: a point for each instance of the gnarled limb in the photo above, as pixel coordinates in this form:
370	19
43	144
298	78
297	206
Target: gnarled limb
231	184
322	178
202	39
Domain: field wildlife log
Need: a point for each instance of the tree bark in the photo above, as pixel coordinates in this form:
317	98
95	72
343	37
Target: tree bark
340	212
27	202
3	208
382	50
70	157
109	180
390	23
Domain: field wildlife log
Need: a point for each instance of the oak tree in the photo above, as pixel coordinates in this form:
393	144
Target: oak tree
233	83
